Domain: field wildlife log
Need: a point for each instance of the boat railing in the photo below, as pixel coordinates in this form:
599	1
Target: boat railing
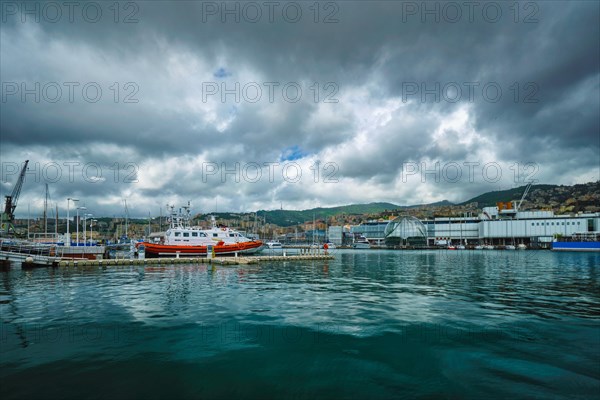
27	247
580	237
43	237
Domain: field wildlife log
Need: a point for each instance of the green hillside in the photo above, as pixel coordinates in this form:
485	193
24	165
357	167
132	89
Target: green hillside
294	217
581	195
491	198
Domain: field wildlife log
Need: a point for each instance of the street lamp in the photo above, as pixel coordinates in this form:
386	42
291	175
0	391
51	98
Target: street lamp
84	228
79	208
68	233
91	232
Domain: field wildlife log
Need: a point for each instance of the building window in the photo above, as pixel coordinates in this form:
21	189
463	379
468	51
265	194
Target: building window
194	234
186	234
177	234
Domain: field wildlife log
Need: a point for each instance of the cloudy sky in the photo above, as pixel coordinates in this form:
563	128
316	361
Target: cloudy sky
242	106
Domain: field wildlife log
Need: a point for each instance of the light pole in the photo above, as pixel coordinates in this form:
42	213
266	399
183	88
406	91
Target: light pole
84	228
68	233
79	208
91	232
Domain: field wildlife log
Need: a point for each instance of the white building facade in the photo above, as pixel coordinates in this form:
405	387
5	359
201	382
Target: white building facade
491	227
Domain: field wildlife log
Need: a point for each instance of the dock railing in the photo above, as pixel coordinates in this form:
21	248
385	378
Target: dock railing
28	248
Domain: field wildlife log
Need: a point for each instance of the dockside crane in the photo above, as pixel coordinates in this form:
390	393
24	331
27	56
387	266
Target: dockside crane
518	205
8	216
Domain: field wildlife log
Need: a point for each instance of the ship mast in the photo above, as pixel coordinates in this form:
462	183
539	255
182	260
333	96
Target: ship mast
46	213
126	218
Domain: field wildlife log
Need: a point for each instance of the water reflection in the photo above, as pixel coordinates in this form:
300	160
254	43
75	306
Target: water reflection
378	312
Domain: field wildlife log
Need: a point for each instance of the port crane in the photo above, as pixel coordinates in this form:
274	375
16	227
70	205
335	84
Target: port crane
8	216
518	205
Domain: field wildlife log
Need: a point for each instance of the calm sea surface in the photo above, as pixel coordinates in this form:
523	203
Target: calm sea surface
369	324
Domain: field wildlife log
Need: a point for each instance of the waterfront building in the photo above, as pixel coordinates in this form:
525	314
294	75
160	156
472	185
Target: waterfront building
494	225
405	232
373	231
335	235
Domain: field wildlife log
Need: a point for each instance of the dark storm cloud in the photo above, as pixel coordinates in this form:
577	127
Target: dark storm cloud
373	57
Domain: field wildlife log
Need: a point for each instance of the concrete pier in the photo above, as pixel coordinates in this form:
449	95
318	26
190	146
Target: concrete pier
193	260
34	260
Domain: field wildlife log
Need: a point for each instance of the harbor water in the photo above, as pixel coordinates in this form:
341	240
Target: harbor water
368	324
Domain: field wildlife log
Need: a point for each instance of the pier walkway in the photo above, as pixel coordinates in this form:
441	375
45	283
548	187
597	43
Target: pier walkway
194	260
34	260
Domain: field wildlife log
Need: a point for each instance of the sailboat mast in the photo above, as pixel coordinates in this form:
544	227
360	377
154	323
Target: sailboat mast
461	238
314	228
126	218
56	223
46	212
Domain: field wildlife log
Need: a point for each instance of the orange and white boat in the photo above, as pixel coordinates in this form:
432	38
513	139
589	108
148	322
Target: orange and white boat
158	250
186	240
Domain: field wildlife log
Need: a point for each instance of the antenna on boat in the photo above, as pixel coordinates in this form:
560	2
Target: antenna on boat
186	217
172	218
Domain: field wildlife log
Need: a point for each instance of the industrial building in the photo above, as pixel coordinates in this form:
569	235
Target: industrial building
500	225
532	228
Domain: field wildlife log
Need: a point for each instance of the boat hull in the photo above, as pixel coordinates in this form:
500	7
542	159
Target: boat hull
576	246
154	250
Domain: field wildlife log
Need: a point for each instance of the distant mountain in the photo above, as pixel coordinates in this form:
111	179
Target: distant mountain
442	203
295	217
292	217
582	197
490	199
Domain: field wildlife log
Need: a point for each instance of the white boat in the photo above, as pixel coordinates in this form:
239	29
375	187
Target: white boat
90	250
522	246
222	233
489	247
509	247
361	243
460	247
274	244
189	240
478	247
